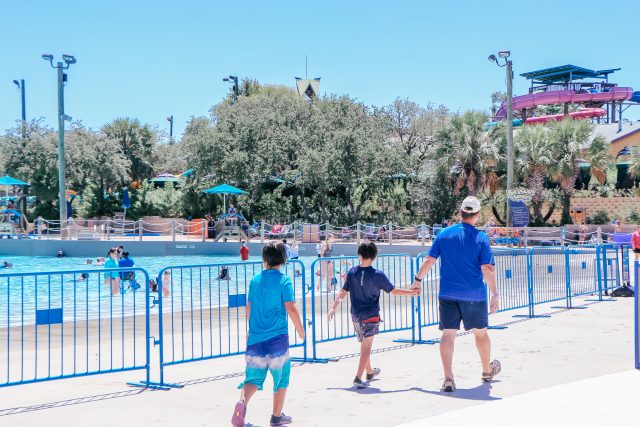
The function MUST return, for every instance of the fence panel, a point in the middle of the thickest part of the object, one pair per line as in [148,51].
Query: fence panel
[583,269]
[57,325]
[610,269]
[327,276]
[511,267]
[548,274]
[428,306]
[202,314]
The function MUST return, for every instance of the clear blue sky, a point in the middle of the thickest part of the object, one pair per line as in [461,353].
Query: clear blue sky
[151,59]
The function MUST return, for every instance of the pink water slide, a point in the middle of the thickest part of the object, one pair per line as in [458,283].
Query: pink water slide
[532,100]
[583,113]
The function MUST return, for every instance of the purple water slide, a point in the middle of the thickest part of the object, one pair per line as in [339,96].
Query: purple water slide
[532,100]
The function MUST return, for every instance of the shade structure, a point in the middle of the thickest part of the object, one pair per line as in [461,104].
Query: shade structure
[165,177]
[8,180]
[225,189]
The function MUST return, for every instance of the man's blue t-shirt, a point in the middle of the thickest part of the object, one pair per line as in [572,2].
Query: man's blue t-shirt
[364,285]
[268,291]
[462,250]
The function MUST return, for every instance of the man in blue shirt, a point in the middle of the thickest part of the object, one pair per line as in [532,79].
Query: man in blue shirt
[465,266]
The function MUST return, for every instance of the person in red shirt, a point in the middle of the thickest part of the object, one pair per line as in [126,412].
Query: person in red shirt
[635,242]
[244,251]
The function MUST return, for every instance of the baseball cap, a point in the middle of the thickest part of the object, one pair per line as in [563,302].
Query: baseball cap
[470,205]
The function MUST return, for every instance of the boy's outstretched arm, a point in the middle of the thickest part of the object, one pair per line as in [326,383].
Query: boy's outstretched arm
[292,311]
[407,292]
[341,295]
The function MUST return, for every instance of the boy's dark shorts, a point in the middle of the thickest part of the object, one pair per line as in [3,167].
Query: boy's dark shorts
[365,329]
[474,314]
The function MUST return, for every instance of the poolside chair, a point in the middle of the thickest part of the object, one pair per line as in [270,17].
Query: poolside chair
[371,232]
[346,233]
[275,231]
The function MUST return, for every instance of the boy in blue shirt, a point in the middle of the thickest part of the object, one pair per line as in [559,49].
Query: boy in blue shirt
[270,300]
[364,284]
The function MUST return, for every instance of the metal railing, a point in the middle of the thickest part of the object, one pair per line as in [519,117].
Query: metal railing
[65,324]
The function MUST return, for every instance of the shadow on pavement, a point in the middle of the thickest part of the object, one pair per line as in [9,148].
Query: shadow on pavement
[481,392]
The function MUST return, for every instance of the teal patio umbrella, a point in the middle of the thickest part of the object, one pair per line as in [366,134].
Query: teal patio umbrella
[10,181]
[225,189]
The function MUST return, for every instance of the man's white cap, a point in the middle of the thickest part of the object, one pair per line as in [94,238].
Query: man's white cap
[470,205]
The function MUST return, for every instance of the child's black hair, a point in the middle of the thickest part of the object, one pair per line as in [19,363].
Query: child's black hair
[368,250]
[274,254]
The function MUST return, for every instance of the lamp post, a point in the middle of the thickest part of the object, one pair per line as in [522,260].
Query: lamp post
[234,81]
[20,85]
[67,60]
[504,54]
[170,120]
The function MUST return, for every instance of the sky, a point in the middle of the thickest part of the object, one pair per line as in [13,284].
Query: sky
[152,59]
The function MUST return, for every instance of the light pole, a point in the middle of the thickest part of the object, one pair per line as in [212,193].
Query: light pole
[20,85]
[504,54]
[62,79]
[234,81]
[170,120]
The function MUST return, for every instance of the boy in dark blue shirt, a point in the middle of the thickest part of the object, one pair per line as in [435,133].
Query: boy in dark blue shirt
[364,284]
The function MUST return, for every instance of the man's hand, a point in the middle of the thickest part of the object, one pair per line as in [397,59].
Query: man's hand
[416,287]
[494,305]
[330,315]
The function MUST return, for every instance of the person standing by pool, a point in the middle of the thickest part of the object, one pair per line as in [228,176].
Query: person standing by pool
[112,278]
[270,302]
[327,268]
[635,242]
[465,260]
[244,251]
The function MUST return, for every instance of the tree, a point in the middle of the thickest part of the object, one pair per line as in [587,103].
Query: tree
[33,158]
[412,127]
[497,98]
[535,159]
[570,140]
[468,150]
[136,143]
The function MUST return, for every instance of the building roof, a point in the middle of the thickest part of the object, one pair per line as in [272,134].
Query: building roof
[611,133]
[565,73]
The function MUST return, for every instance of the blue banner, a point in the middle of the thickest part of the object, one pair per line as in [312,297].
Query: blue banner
[519,213]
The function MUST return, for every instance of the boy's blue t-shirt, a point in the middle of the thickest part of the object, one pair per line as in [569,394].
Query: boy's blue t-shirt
[364,285]
[268,291]
[462,250]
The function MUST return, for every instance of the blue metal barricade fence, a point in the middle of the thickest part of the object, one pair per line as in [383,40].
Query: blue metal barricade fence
[56,325]
[202,312]
[327,277]
[610,267]
[427,306]
[548,274]
[583,269]
[512,278]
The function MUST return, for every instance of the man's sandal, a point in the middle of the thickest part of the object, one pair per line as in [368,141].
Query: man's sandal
[495,370]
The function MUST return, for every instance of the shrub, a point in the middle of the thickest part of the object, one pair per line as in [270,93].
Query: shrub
[600,217]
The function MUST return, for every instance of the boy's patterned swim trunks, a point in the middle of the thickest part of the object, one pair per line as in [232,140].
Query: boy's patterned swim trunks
[366,328]
[271,355]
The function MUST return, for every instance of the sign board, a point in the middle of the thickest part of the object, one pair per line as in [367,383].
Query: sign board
[519,213]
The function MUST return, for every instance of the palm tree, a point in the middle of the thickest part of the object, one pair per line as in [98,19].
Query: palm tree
[534,161]
[570,141]
[466,147]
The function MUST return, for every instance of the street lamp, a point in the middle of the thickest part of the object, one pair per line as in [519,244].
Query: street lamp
[234,81]
[62,79]
[170,120]
[20,85]
[504,54]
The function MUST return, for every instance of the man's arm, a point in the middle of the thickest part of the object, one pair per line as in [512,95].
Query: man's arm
[292,311]
[489,274]
[341,295]
[422,273]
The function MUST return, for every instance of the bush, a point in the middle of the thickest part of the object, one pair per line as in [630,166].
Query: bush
[600,217]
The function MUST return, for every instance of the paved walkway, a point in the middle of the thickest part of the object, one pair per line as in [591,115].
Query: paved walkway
[609,400]
[542,359]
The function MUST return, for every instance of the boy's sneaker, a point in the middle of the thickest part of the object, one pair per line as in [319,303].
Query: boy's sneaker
[449,386]
[281,420]
[238,414]
[495,370]
[358,383]
[376,372]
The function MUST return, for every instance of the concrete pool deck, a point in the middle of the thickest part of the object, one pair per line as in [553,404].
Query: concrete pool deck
[571,367]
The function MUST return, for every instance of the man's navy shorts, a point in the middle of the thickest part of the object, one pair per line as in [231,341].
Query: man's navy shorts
[474,314]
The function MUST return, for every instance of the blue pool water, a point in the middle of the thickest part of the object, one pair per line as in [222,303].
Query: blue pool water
[77,291]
